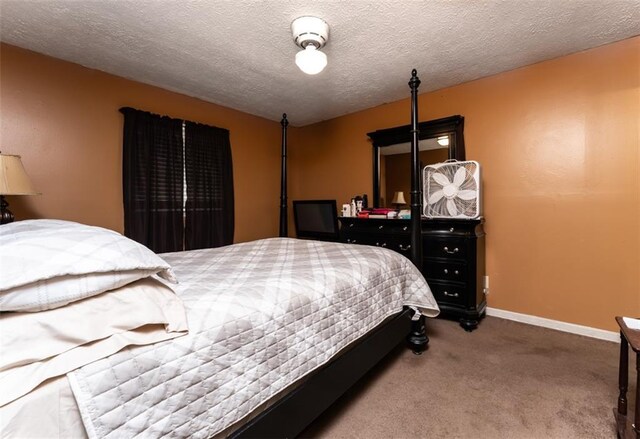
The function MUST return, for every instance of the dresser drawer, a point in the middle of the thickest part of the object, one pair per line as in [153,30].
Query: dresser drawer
[376,225]
[445,248]
[396,243]
[399,227]
[452,227]
[358,237]
[386,227]
[359,226]
[448,293]
[445,270]
[400,245]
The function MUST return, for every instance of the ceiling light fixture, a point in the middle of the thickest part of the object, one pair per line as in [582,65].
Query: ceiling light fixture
[311,34]
[443,140]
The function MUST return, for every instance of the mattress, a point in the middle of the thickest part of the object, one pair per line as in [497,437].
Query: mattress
[262,315]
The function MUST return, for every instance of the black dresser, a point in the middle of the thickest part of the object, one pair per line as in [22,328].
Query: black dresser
[453,262]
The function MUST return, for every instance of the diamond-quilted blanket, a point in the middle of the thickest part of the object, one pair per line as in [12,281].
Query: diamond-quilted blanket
[262,315]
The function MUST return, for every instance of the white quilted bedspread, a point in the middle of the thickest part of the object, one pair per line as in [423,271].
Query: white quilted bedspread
[261,315]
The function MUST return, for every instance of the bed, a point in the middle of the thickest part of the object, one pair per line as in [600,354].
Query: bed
[277,330]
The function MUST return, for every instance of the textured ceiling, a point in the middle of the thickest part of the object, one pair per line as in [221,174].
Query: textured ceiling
[241,53]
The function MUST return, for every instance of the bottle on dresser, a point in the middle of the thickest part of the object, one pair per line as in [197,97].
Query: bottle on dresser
[358,199]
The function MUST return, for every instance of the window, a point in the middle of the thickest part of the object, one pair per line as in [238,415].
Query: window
[177,183]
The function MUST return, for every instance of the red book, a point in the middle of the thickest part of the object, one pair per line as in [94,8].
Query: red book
[381,210]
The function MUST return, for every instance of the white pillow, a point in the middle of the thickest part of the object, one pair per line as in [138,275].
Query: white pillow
[39,346]
[45,264]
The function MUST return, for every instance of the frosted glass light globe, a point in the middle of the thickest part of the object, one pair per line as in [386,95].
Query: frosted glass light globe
[310,60]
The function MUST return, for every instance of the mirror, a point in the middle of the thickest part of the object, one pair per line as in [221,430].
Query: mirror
[439,140]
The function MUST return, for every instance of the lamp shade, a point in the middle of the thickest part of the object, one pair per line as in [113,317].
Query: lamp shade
[13,178]
[311,60]
[398,198]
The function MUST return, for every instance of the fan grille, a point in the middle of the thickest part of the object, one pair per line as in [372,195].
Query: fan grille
[452,190]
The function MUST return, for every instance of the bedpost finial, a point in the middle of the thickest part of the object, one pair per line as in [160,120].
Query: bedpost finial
[414,82]
[284,122]
[284,115]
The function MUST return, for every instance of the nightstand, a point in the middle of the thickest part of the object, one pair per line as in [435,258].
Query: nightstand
[454,267]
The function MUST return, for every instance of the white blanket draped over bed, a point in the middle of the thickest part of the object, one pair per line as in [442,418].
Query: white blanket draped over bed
[261,315]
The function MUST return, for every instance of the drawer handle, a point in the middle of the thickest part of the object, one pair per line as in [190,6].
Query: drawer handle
[351,225]
[404,229]
[380,227]
[451,252]
[403,248]
[351,241]
[446,293]
[384,244]
[446,271]
[452,230]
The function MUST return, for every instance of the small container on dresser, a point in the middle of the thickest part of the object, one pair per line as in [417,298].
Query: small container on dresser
[453,258]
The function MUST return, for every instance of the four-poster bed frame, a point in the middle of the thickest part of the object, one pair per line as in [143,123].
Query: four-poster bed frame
[284,229]
[298,408]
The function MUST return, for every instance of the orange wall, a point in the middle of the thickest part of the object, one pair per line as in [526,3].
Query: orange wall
[559,145]
[63,120]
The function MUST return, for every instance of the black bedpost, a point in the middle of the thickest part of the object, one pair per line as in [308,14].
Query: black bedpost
[416,183]
[375,202]
[284,229]
[417,339]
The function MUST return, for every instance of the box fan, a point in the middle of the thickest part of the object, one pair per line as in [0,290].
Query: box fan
[452,190]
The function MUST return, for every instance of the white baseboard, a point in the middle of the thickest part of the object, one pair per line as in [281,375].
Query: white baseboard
[587,331]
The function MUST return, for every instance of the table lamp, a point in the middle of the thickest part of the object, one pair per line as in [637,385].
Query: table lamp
[398,199]
[13,181]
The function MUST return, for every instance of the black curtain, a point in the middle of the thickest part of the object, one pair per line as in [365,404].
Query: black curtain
[153,180]
[209,170]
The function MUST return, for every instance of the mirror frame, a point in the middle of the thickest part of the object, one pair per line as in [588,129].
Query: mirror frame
[432,128]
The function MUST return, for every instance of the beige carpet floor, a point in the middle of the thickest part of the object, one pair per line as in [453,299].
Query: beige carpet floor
[504,380]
